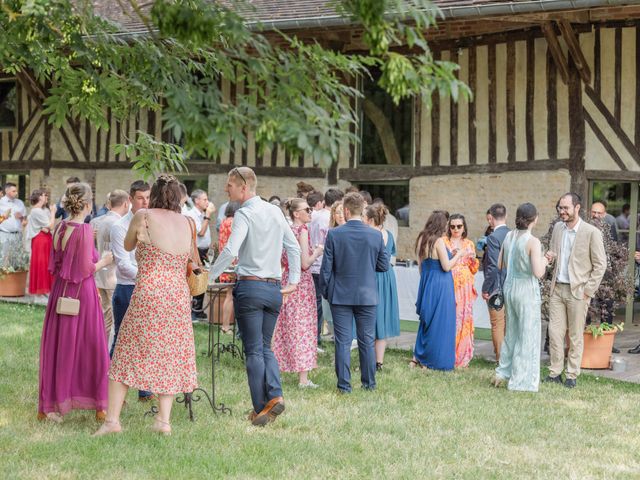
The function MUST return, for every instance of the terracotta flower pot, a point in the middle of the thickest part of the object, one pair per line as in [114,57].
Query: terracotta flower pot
[13,284]
[597,350]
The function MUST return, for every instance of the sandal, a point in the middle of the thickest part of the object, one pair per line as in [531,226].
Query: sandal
[163,429]
[54,417]
[379,366]
[413,363]
[101,416]
[107,428]
[498,382]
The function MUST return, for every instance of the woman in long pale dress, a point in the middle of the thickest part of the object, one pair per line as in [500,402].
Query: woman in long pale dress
[38,241]
[155,349]
[463,278]
[436,304]
[73,354]
[521,255]
[295,338]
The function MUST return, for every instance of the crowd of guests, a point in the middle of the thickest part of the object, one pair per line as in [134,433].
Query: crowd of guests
[294,264]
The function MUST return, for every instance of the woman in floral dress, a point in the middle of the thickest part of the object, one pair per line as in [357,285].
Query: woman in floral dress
[155,349]
[463,277]
[295,339]
[223,238]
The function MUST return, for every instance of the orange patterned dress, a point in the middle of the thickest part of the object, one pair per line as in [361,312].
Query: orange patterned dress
[155,349]
[463,277]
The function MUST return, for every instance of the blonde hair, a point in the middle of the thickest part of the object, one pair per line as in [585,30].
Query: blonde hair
[245,175]
[334,209]
[76,198]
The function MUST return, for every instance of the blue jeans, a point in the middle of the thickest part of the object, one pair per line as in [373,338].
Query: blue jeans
[120,304]
[256,306]
[365,319]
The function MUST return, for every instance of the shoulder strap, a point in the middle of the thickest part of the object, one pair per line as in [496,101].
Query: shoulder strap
[146,225]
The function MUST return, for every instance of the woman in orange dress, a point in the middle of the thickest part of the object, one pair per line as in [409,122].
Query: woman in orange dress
[463,277]
[223,238]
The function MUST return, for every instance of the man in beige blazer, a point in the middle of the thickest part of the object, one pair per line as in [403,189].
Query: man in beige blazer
[580,265]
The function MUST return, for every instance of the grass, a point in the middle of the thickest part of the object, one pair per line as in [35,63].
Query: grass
[417,424]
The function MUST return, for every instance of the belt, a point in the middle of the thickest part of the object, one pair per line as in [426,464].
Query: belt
[253,278]
[10,233]
[562,283]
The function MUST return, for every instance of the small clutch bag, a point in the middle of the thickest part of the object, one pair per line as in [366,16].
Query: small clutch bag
[67,305]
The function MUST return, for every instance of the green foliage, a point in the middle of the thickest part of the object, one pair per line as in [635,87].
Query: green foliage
[599,329]
[296,94]
[150,158]
[14,257]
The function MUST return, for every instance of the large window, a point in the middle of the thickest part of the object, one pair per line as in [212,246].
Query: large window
[8,103]
[395,196]
[387,128]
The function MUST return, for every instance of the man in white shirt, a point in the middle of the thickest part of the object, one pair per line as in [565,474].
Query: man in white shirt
[318,229]
[126,265]
[201,215]
[259,234]
[13,211]
[118,206]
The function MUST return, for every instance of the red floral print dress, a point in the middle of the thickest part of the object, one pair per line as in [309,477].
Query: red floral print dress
[295,339]
[155,349]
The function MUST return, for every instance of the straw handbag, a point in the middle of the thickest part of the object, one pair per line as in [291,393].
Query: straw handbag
[197,276]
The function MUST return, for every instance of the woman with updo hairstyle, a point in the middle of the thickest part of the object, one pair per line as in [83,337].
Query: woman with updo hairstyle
[38,241]
[463,284]
[73,353]
[436,305]
[155,349]
[387,311]
[295,338]
[521,255]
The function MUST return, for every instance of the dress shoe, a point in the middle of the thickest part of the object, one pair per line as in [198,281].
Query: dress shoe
[570,383]
[615,350]
[635,349]
[550,379]
[271,410]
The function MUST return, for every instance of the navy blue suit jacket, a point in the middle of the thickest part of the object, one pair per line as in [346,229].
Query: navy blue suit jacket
[491,282]
[353,253]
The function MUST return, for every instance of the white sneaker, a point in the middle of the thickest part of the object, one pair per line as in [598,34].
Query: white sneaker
[354,344]
[309,384]
[320,350]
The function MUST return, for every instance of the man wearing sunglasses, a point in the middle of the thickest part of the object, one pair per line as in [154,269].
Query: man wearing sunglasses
[259,234]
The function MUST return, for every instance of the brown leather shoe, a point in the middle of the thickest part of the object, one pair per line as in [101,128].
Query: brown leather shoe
[271,410]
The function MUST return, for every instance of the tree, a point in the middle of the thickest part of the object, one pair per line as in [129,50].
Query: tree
[297,94]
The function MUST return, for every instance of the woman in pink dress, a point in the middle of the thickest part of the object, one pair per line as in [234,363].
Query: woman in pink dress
[73,353]
[155,350]
[295,339]
[463,278]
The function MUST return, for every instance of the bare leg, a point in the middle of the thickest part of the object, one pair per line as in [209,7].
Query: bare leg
[227,310]
[380,347]
[303,377]
[117,394]
[161,423]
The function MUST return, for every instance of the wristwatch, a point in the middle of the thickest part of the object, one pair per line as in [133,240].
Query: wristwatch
[206,218]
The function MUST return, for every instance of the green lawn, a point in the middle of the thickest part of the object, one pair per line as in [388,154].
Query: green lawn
[416,425]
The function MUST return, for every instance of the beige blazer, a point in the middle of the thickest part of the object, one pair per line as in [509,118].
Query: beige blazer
[588,260]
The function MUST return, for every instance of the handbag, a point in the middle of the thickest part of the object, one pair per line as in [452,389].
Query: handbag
[197,275]
[68,305]
[496,301]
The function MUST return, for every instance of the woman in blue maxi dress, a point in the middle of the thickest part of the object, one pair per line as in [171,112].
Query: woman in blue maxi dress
[436,304]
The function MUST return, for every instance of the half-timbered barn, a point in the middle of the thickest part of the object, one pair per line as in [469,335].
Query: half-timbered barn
[556,87]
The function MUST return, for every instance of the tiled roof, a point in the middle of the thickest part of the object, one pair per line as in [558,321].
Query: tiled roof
[309,13]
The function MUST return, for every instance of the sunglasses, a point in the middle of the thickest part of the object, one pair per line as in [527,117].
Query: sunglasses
[235,171]
[308,210]
[456,227]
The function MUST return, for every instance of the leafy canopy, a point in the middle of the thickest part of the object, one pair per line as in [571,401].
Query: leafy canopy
[297,93]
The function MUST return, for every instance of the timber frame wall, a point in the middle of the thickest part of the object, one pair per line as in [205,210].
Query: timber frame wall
[542,102]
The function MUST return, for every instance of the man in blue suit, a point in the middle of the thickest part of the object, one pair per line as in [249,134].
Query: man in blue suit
[353,253]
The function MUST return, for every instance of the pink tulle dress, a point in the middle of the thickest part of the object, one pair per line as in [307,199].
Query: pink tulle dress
[73,353]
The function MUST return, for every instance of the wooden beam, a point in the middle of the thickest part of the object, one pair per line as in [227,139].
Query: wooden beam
[575,51]
[552,108]
[577,142]
[603,140]
[612,175]
[556,52]
[383,173]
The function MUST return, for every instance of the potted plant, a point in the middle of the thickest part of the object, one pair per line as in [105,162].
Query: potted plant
[14,266]
[598,342]
[616,286]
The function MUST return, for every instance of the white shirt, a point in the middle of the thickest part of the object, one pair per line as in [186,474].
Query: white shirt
[259,233]
[126,265]
[105,277]
[11,224]
[318,229]
[203,242]
[568,238]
